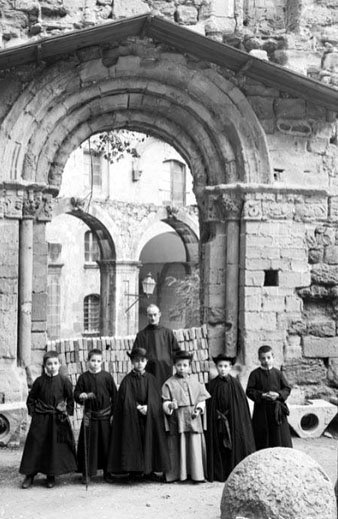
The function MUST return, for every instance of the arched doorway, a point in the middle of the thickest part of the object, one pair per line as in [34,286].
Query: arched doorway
[97,257]
[197,110]
[170,255]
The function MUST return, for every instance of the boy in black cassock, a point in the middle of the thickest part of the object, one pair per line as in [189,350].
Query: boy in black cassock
[138,445]
[96,390]
[268,388]
[50,445]
[229,432]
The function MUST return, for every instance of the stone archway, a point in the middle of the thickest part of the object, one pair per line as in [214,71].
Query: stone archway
[142,86]
[184,222]
[101,225]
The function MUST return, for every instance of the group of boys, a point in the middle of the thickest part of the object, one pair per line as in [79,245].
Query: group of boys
[171,431]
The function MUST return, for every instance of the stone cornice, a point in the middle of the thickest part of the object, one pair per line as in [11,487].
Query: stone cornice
[227,202]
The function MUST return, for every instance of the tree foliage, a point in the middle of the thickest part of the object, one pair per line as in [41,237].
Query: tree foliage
[187,301]
[114,145]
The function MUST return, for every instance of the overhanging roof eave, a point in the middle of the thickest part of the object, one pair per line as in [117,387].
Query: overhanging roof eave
[236,60]
[184,40]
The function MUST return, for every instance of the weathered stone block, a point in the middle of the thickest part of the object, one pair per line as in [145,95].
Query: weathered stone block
[302,371]
[297,327]
[293,304]
[123,9]
[290,108]
[276,483]
[294,279]
[273,303]
[262,106]
[332,372]
[252,303]
[253,278]
[12,416]
[316,255]
[331,255]
[261,321]
[187,14]
[320,347]
[311,419]
[293,349]
[314,292]
[322,329]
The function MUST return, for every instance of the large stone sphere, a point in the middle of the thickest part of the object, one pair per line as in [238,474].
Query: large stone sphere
[278,483]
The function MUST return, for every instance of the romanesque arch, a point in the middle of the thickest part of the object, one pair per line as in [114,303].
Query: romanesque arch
[144,86]
[102,225]
[204,116]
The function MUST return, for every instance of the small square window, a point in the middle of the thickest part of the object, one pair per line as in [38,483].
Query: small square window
[271,278]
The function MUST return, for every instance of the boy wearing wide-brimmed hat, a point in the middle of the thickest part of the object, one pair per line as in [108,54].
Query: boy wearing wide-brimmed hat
[229,433]
[138,445]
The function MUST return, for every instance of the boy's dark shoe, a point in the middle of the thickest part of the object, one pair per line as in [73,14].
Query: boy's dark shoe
[156,476]
[50,481]
[27,482]
[108,477]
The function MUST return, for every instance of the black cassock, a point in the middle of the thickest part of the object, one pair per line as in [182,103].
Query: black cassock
[269,420]
[229,434]
[161,345]
[98,411]
[138,442]
[50,445]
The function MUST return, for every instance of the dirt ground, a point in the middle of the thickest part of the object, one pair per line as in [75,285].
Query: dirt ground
[141,500]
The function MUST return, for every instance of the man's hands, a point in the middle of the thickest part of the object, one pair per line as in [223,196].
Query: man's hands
[87,396]
[270,395]
[142,409]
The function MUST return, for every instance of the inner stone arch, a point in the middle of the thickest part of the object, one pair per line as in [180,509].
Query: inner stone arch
[97,223]
[204,108]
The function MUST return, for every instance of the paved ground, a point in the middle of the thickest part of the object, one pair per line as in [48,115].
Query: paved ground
[146,500]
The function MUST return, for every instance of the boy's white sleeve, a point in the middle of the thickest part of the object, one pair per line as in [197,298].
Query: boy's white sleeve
[166,409]
[201,406]
[166,396]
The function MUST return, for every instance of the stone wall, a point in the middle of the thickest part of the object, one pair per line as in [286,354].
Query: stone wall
[289,288]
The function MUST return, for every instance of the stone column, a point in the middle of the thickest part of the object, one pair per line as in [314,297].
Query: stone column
[25,289]
[127,274]
[36,211]
[108,315]
[222,212]
[231,207]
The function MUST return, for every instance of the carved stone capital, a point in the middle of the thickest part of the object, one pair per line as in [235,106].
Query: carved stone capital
[30,205]
[221,207]
[17,202]
[37,205]
[12,203]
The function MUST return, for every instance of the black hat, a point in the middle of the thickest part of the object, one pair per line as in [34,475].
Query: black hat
[138,353]
[222,356]
[183,354]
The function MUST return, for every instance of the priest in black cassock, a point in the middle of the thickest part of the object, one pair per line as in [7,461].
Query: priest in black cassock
[160,344]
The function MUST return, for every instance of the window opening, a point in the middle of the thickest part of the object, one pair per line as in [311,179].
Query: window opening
[91,247]
[271,278]
[91,310]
